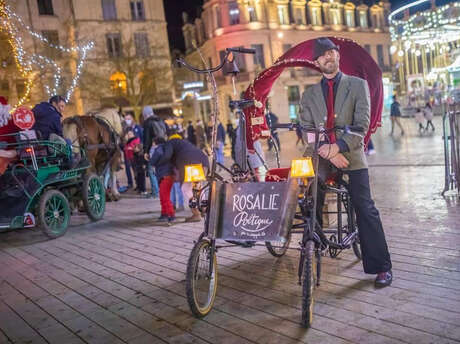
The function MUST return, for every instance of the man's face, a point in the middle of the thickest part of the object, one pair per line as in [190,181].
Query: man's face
[60,106]
[328,63]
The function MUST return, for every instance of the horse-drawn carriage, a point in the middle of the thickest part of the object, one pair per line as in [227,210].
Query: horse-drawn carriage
[40,185]
[244,211]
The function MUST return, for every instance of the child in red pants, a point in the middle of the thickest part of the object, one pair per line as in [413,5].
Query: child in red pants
[164,171]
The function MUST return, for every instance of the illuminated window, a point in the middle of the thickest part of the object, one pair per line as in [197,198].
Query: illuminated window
[335,18]
[283,15]
[234,13]
[252,13]
[315,15]
[350,18]
[118,82]
[363,19]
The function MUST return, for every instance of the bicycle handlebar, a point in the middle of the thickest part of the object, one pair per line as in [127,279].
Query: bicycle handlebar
[242,50]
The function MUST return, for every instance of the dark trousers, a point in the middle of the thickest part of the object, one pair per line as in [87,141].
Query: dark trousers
[138,165]
[376,257]
[129,175]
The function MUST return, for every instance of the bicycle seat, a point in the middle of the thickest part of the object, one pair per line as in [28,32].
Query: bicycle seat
[277,174]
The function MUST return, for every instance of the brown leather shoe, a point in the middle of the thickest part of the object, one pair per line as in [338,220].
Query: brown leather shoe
[383,279]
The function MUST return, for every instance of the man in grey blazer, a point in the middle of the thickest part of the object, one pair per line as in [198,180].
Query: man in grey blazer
[340,100]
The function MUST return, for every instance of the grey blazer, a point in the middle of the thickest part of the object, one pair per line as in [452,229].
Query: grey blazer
[352,107]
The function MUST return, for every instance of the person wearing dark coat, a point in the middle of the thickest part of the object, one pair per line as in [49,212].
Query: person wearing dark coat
[154,127]
[181,153]
[191,137]
[48,117]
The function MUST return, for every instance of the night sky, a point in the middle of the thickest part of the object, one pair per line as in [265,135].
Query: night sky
[174,9]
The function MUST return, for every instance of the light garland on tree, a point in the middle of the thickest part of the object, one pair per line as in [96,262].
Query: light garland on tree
[26,62]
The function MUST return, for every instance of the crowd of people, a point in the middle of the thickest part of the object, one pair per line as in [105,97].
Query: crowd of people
[160,149]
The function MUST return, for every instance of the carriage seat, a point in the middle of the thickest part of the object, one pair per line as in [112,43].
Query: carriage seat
[277,174]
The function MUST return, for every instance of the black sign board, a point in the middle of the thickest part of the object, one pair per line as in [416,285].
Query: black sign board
[254,211]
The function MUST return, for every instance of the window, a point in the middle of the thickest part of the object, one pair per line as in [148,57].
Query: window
[113,45]
[299,18]
[45,7]
[363,19]
[283,15]
[335,18]
[349,18]
[316,16]
[259,59]
[141,41]
[380,57]
[109,11]
[137,10]
[234,13]
[367,47]
[118,82]
[252,13]
[53,38]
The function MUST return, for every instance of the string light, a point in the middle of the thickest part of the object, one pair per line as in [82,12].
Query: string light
[28,63]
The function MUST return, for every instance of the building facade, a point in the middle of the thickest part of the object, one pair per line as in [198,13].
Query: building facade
[271,27]
[129,64]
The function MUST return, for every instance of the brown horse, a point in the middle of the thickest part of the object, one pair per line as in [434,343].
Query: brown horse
[95,135]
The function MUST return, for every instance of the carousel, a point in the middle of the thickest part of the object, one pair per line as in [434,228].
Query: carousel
[425,51]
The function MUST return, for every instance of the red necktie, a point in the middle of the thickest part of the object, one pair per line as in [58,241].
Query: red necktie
[330,111]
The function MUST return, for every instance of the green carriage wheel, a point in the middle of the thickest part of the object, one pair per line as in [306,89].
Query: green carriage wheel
[93,193]
[53,213]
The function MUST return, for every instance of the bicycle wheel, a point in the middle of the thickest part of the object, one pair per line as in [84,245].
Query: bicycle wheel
[201,280]
[278,248]
[308,284]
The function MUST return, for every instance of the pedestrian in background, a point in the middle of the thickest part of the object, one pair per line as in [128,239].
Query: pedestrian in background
[131,125]
[191,136]
[133,153]
[154,127]
[220,143]
[428,113]
[395,115]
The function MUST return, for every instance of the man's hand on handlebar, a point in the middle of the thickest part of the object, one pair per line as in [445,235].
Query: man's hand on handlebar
[339,161]
[327,151]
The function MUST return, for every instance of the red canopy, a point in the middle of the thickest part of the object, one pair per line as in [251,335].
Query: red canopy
[354,60]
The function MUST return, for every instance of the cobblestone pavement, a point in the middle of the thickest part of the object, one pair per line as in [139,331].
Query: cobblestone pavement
[121,280]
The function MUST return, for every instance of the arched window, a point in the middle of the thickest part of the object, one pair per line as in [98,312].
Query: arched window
[362,18]
[283,15]
[252,11]
[118,82]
